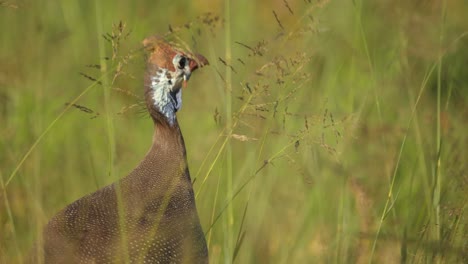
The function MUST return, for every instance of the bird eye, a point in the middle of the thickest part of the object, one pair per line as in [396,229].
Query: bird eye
[182,62]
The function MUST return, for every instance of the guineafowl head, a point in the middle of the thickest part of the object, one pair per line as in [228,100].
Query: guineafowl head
[168,70]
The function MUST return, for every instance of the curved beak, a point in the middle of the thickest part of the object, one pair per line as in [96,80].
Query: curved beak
[197,61]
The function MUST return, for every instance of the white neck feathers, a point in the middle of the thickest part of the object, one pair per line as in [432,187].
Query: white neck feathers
[166,99]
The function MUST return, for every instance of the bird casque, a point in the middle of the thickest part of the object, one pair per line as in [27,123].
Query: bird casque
[150,215]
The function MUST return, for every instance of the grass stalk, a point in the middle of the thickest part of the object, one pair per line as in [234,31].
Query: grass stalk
[209,233]
[438,163]
[10,217]
[50,126]
[228,242]
[390,200]
[392,79]
[107,85]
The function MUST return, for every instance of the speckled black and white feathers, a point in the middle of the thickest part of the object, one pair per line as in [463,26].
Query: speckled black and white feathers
[159,222]
[150,215]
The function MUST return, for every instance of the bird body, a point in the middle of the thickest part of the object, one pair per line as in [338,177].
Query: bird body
[150,215]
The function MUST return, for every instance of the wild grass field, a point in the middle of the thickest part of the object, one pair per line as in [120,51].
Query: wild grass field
[321,132]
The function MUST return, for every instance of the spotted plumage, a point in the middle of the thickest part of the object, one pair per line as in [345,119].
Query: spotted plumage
[150,215]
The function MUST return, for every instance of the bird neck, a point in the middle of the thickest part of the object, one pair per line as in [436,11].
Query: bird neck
[164,164]
[167,138]
[166,158]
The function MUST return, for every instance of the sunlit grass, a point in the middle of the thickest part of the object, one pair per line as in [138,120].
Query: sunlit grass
[321,132]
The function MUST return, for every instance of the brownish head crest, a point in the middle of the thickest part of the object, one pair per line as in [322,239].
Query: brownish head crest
[161,54]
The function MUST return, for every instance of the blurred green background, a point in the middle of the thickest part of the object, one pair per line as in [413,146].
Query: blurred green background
[321,132]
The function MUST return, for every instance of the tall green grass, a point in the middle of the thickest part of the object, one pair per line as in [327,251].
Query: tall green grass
[321,132]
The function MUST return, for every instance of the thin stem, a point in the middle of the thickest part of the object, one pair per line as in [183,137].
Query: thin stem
[228,242]
[390,199]
[50,126]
